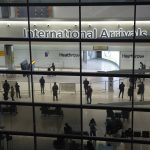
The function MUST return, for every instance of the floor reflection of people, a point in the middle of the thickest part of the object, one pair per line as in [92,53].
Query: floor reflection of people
[92,125]
[89,95]
[130,92]
[12,93]
[121,88]
[6,88]
[90,145]
[141,91]
[85,83]
[67,129]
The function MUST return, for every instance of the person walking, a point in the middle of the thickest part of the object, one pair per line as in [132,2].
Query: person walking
[55,91]
[12,93]
[141,90]
[6,88]
[85,83]
[130,92]
[121,88]
[89,95]
[92,125]
[42,84]
[17,88]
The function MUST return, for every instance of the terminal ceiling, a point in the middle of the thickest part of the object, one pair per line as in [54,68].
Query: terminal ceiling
[95,13]
[102,13]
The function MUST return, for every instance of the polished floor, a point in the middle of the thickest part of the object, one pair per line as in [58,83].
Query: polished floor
[23,120]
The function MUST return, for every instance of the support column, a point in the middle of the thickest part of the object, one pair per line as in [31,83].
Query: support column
[85,56]
[110,84]
[9,57]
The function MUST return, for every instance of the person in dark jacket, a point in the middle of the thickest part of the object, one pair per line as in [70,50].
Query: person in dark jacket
[141,90]
[6,88]
[42,84]
[55,91]
[53,67]
[121,88]
[17,88]
[89,95]
[92,125]
[86,84]
[130,92]
[132,81]
[67,129]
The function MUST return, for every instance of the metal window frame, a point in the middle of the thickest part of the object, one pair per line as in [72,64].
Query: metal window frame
[80,74]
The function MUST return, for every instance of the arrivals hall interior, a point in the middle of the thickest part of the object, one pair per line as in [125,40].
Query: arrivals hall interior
[74,74]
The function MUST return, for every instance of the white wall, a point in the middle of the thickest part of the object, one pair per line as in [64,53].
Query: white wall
[62,59]
[113,56]
[126,59]
[21,52]
[55,54]
[142,54]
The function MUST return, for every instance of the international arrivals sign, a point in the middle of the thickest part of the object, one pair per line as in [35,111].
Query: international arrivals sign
[85,34]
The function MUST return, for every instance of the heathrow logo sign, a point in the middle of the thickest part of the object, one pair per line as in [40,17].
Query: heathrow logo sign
[85,34]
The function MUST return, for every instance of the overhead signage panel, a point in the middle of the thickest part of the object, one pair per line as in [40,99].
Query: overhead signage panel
[100,47]
[70,29]
[85,34]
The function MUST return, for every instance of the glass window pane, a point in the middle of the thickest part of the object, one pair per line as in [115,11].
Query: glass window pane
[15,87]
[9,26]
[102,24]
[11,118]
[116,58]
[57,143]
[57,89]
[141,128]
[23,142]
[54,1]
[16,142]
[107,1]
[142,21]
[54,22]
[142,68]
[106,90]
[56,56]
[54,119]
[107,123]
[106,145]
[14,56]
[13,1]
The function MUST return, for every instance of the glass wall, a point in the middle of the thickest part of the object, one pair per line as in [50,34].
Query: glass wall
[74,75]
